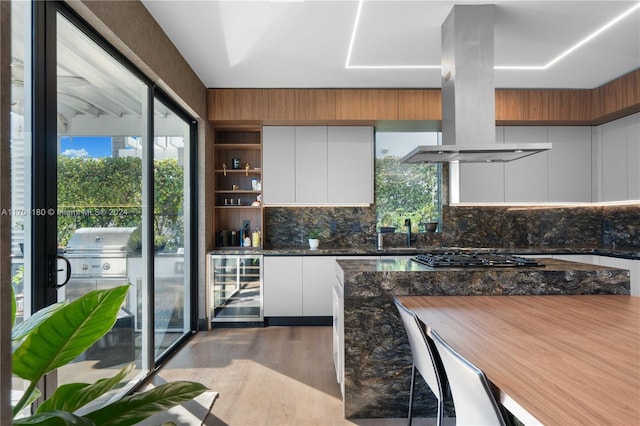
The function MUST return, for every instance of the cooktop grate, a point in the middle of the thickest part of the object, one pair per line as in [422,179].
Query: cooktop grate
[473,260]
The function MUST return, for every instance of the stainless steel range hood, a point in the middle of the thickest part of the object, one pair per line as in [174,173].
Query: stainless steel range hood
[468,95]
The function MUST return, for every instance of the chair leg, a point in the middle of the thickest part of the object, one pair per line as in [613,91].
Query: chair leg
[413,381]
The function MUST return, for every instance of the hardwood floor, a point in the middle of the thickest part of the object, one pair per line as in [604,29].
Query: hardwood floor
[267,376]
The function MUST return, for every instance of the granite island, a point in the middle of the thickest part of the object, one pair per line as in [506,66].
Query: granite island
[373,355]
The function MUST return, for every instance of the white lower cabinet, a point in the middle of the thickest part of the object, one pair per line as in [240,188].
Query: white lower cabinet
[282,286]
[298,286]
[318,276]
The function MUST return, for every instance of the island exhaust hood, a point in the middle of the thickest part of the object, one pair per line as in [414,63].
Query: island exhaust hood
[468,95]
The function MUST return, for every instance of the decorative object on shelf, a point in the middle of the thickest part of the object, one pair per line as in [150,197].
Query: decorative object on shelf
[235,163]
[258,201]
[255,184]
[234,187]
[224,169]
[246,169]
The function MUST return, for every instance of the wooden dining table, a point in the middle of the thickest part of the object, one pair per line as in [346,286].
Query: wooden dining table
[553,360]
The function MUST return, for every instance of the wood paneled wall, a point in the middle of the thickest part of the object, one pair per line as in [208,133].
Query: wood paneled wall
[513,106]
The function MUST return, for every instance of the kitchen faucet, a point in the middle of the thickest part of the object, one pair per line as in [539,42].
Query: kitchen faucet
[407,223]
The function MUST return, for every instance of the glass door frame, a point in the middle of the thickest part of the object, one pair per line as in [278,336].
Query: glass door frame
[43,239]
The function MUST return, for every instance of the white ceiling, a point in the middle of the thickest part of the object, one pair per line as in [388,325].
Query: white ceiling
[298,44]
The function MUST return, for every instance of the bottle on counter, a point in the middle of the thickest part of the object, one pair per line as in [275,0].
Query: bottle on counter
[255,238]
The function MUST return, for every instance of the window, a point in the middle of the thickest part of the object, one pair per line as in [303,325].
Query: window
[405,191]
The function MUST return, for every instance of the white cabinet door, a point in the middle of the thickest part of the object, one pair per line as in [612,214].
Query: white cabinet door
[311,164]
[526,178]
[633,157]
[570,164]
[318,277]
[278,165]
[282,286]
[614,161]
[350,167]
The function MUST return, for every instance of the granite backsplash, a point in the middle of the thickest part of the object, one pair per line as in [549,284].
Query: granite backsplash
[615,227]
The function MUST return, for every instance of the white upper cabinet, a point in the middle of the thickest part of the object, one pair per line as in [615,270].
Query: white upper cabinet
[633,159]
[318,165]
[526,179]
[278,165]
[619,149]
[482,182]
[311,164]
[350,167]
[569,168]
[563,174]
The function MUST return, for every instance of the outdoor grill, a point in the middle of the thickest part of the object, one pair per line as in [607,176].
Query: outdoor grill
[98,259]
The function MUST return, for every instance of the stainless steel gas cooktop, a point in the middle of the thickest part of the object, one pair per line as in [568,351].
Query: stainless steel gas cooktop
[473,260]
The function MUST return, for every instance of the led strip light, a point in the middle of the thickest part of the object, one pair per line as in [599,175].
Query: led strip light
[497,67]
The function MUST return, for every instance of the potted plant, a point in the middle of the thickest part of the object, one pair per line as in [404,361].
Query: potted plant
[56,335]
[314,239]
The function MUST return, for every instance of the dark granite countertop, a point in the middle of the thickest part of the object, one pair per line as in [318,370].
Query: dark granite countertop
[407,265]
[377,365]
[408,251]
[368,278]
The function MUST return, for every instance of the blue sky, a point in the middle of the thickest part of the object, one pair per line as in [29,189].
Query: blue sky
[86,146]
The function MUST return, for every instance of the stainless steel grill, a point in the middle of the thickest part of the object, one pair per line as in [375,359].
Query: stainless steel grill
[98,259]
[100,252]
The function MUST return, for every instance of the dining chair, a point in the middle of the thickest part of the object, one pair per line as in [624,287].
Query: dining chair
[472,397]
[425,360]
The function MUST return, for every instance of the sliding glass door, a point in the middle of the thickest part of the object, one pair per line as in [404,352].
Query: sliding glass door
[107,156]
[171,200]
[102,122]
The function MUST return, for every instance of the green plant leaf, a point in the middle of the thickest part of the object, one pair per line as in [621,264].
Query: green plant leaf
[13,307]
[68,332]
[35,394]
[72,396]
[54,418]
[137,407]
[21,330]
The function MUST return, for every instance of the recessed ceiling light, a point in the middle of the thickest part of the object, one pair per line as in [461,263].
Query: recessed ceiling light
[497,67]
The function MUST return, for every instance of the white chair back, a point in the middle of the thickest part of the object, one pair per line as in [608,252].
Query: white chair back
[472,397]
[425,358]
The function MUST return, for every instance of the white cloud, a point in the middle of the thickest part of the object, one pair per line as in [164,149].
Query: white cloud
[76,153]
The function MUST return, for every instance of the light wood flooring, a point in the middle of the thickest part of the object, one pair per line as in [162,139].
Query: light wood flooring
[267,376]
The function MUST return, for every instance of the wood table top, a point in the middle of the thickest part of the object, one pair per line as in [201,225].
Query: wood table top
[555,360]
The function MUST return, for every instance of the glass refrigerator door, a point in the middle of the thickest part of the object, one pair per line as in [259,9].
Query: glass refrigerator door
[236,288]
